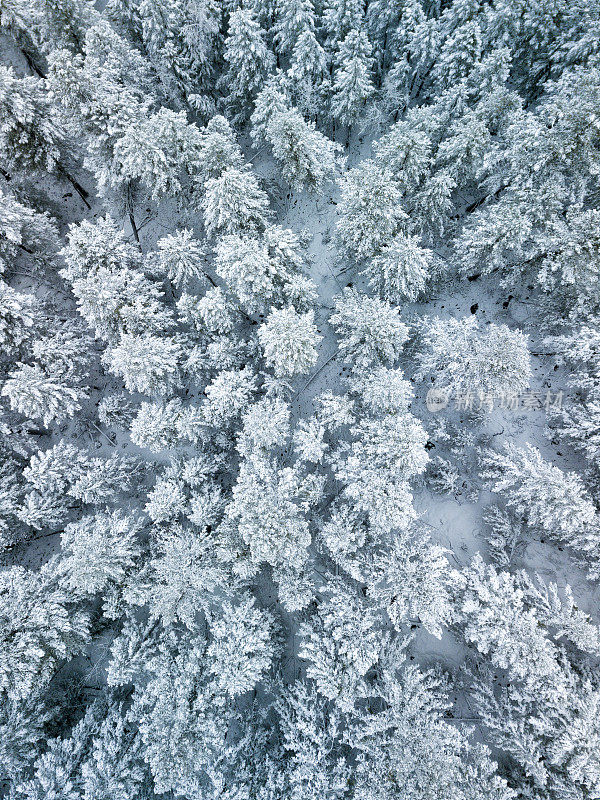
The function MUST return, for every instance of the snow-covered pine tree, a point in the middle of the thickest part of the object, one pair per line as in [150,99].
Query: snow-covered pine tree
[401,270]
[101,95]
[38,394]
[312,735]
[21,318]
[249,59]
[406,150]
[99,551]
[234,202]
[38,630]
[62,23]
[267,519]
[370,210]
[244,264]
[340,643]
[26,234]
[292,20]
[180,39]
[179,258]
[30,138]
[410,743]
[547,497]
[157,152]
[157,425]
[307,74]
[352,81]
[272,99]
[412,579]
[227,396]
[370,331]
[182,578]
[241,648]
[113,295]
[460,359]
[340,18]
[148,364]
[115,762]
[219,150]
[289,342]
[307,158]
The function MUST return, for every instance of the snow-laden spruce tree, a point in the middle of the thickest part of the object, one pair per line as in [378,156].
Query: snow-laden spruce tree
[22,724]
[539,162]
[411,47]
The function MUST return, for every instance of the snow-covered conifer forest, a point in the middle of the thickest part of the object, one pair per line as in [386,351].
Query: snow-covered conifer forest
[300,399]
